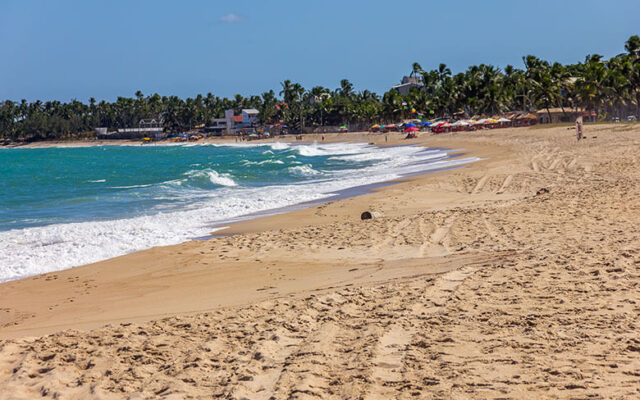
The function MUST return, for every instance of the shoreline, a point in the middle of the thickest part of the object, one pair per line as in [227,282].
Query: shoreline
[337,195]
[242,226]
[452,159]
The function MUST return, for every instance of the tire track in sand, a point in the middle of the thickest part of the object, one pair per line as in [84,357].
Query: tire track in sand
[435,246]
[388,373]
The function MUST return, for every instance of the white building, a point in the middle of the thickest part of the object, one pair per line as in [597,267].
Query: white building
[230,123]
[250,116]
[146,128]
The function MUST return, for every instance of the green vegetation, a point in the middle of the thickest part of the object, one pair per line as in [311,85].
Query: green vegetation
[611,88]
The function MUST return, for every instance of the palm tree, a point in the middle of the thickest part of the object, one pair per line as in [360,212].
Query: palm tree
[268,107]
[346,88]
[443,72]
[633,46]
[545,86]
[590,88]
[416,70]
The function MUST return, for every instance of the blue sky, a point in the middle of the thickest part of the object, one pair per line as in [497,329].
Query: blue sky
[68,49]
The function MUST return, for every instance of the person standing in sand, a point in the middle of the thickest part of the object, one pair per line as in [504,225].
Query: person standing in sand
[579,127]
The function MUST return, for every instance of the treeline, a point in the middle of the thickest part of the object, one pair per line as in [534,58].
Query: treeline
[608,87]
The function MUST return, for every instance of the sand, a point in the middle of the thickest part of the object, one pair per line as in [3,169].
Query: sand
[515,277]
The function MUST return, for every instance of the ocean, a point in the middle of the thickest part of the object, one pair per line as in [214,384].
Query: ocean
[68,206]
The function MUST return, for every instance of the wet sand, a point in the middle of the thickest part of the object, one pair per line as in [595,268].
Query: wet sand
[514,277]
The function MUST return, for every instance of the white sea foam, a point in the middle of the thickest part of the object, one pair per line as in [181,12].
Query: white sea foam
[215,177]
[133,186]
[310,151]
[49,248]
[399,153]
[43,249]
[247,162]
[98,181]
[279,146]
[303,170]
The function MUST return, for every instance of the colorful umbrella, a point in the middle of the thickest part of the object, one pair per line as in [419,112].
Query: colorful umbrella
[375,126]
[412,129]
[410,125]
[441,124]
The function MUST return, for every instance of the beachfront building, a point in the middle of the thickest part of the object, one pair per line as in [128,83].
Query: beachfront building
[250,116]
[558,115]
[231,124]
[151,128]
[408,82]
[521,118]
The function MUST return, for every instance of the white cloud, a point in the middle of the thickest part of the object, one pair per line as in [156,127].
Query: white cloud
[231,18]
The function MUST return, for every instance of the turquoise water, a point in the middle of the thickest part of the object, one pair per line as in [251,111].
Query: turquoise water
[61,207]
[61,185]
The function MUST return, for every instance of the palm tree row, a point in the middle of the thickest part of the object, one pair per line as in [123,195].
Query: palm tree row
[607,87]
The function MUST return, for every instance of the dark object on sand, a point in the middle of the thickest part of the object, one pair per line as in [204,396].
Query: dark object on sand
[369,215]
[542,191]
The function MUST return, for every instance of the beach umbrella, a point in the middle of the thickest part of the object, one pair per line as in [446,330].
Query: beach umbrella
[375,126]
[503,119]
[427,123]
[410,125]
[412,129]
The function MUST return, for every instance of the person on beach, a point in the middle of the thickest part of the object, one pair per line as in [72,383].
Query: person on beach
[579,127]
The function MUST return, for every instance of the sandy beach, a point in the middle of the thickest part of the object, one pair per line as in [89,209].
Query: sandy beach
[517,276]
